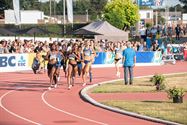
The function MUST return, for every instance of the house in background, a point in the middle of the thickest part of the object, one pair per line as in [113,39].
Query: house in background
[184,18]
[146,16]
[38,17]
[26,16]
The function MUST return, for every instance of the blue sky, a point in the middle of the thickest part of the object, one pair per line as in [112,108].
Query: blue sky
[171,2]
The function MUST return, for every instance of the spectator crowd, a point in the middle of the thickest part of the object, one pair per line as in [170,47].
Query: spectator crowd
[153,33]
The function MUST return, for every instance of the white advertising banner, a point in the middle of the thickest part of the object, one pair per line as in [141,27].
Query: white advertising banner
[70,10]
[13,62]
[17,16]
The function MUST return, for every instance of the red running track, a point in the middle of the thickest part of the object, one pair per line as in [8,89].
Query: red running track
[130,96]
[24,99]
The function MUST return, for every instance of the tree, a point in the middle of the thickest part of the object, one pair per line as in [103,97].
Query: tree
[97,7]
[59,7]
[24,4]
[121,13]
[45,8]
[80,6]
[56,8]
[29,4]
[185,5]
[6,4]
[183,1]
[178,7]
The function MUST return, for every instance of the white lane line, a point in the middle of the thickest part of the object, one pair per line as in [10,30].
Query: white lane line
[12,113]
[68,113]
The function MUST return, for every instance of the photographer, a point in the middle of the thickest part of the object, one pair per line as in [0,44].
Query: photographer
[36,65]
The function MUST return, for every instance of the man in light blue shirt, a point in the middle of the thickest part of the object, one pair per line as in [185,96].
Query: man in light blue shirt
[129,60]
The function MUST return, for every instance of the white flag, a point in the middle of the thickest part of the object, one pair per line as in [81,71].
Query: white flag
[16,11]
[70,10]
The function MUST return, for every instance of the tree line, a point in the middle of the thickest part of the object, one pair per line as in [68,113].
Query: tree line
[120,13]
[93,7]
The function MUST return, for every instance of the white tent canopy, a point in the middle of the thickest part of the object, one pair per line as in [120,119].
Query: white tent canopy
[103,30]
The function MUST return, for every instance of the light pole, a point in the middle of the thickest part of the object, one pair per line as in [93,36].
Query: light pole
[64,15]
[166,12]
[54,8]
[156,14]
[137,23]
[175,14]
[87,15]
[50,8]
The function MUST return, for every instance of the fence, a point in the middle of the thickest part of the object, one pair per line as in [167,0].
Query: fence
[21,62]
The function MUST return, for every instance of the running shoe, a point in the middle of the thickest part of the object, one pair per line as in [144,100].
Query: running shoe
[119,75]
[58,78]
[69,87]
[49,88]
[55,85]
[84,84]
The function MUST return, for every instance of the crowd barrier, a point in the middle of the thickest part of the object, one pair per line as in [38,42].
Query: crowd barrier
[185,54]
[149,57]
[16,62]
[141,57]
[20,62]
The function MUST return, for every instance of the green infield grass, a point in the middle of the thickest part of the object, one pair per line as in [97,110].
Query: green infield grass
[142,85]
[159,109]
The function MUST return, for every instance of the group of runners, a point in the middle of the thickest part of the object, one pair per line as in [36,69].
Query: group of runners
[75,58]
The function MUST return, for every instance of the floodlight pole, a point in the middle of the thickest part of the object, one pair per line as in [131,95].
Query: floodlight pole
[86,15]
[167,13]
[175,14]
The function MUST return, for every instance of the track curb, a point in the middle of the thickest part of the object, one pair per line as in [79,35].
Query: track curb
[86,97]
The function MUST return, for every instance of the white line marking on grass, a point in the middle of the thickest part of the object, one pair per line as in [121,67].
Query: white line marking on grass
[12,113]
[68,113]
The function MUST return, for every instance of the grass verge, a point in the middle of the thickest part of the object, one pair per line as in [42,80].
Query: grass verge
[158,109]
[141,85]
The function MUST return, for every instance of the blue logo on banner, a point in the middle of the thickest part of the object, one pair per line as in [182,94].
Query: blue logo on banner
[7,61]
[21,61]
[150,2]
